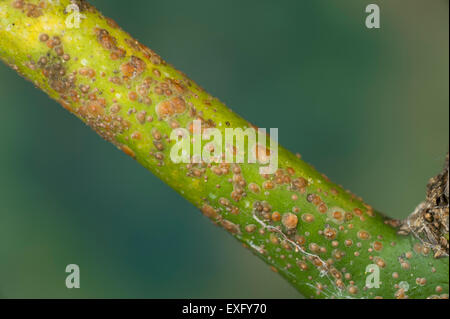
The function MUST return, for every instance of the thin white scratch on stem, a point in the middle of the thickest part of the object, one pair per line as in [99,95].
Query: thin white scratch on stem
[323,271]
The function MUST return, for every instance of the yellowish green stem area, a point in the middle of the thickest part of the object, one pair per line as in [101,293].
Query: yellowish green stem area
[318,236]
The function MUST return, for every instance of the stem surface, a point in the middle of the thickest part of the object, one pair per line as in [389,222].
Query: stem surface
[321,238]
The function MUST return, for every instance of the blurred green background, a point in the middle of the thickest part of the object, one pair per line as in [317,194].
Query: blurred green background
[369,108]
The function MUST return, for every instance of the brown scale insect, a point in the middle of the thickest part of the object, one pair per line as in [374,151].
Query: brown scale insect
[209,211]
[42,61]
[156,134]
[136,135]
[362,234]
[108,42]
[115,108]
[128,151]
[229,226]
[140,117]
[289,220]
[250,228]
[308,218]
[133,68]
[276,216]
[132,96]
[353,290]
[43,37]
[171,107]
[330,233]
[268,185]
[59,51]
[378,246]
[87,72]
[159,146]
[322,208]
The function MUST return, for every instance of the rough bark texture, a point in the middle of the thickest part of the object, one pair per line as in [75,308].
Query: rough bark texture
[315,234]
[429,222]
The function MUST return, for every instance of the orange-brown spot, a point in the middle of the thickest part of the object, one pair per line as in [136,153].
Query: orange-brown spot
[128,151]
[133,68]
[377,246]
[209,211]
[303,266]
[268,185]
[322,208]
[317,200]
[353,290]
[254,188]
[380,262]
[87,72]
[301,240]
[330,233]
[113,24]
[362,234]
[358,212]
[308,218]
[94,108]
[231,227]
[276,216]
[132,96]
[136,136]
[250,228]
[171,107]
[300,183]
[289,220]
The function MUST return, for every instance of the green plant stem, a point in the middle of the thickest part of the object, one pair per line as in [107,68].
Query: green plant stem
[315,234]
